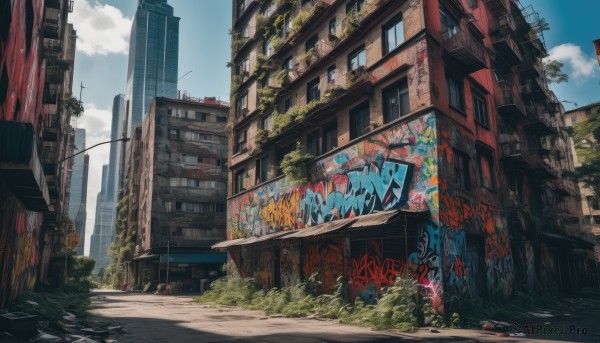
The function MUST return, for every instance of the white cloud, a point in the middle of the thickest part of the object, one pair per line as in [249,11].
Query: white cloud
[570,54]
[101,29]
[97,125]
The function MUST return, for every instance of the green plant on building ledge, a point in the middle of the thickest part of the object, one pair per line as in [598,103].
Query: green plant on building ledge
[295,165]
[280,79]
[266,98]
[310,56]
[73,106]
[261,136]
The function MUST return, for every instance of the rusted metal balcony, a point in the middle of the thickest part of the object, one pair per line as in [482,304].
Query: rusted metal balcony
[507,48]
[510,106]
[545,171]
[540,122]
[464,48]
[20,165]
[535,89]
[497,7]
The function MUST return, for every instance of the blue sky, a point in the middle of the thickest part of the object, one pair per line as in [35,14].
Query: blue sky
[103,28]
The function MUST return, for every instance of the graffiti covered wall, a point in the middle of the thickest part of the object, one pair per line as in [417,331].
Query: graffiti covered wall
[388,170]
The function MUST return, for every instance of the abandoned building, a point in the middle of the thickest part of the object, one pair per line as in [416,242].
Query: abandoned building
[589,206]
[37,49]
[178,172]
[435,146]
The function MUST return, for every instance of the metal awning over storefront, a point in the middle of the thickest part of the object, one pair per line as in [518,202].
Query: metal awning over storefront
[198,257]
[322,228]
[382,218]
[234,242]
[269,237]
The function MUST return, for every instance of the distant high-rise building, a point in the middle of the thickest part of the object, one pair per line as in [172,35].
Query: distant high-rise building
[118,113]
[104,232]
[153,56]
[78,187]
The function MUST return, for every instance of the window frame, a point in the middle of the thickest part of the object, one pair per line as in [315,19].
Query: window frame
[262,169]
[481,119]
[332,26]
[356,53]
[462,177]
[357,114]
[316,144]
[311,93]
[450,80]
[393,23]
[401,93]
[239,145]
[487,154]
[239,105]
[328,130]
[331,75]
[311,43]
[238,185]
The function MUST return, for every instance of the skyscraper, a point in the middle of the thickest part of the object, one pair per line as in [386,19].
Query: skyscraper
[118,113]
[78,187]
[104,232]
[153,57]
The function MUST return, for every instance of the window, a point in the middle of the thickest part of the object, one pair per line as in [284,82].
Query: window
[170,112]
[288,63]
[331,75]
[456,95]
[330,136]
[393,34]
[280,155]
[220,207]
[287,104]
[241,105]
[461,170]
[244,33]
[355,6]
[190,159]
[480,112]
[239,180]
[262,169]
[221,119]
[268,47]
[267,122]
[395,101]
[450,25]
[173,134]
[311,43]
[332,26]
[240,142]
[240,7]
[244,67]
[308,2]
[269,10]
[573,120]
[359,120]
[587,220]
[486,168]
[201,116]
[313,91]
[357,58]
[312,143]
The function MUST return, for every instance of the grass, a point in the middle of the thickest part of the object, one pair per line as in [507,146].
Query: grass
[399,306]
[52,305]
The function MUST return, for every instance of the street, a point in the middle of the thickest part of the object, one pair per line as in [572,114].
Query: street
[152,318]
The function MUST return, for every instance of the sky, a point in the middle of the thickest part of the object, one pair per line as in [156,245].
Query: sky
[103,28]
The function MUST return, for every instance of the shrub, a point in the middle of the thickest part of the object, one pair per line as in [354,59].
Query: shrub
[295,165]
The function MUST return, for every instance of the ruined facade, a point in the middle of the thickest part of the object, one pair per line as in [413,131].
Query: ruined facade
[436,142]
[589,206]
[181,167]
[36,55]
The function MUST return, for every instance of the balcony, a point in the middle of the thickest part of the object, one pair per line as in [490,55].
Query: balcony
[51,29]
[545,171]
[464,48]
[50,157]
[535,89]
[510,106]
[497,7]
[21,166]
[53,4]
[507,48]
[540,123]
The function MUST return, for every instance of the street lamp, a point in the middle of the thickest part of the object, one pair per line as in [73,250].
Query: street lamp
[93,146]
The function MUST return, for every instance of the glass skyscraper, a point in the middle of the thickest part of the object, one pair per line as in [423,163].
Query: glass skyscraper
[79,179]
[153,58]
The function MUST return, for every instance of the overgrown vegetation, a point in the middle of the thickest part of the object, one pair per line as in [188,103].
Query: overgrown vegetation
[52,305]
[122,248]
[398,307]
[73,106]
[553,72]
[295,165]
[260,136]
[301,18]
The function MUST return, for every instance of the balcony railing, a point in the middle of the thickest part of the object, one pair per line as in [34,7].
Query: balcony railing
[540,122]
[463,47]
[510,106]
[20,165]
[507,48]
[497,7]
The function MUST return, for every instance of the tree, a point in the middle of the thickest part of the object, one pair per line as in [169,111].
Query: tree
[554,73]
[73,106]
[587,144]
[122,248]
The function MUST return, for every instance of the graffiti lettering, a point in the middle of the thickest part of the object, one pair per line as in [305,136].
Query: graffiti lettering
[326,258]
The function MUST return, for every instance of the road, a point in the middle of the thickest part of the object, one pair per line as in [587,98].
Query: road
[153,318]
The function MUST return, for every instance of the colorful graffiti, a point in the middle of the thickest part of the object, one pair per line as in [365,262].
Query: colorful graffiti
[454,261]
[372,271]
[425,263]
[20,250]
[388,170]
[326,257]
[290,263]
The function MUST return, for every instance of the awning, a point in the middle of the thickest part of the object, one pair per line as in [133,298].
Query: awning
[322,228]
[268,237]
[145,256]
[199,257]
[577,242]
[374,219]
[233,242]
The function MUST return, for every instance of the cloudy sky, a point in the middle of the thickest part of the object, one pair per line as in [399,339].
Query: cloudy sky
[103,28]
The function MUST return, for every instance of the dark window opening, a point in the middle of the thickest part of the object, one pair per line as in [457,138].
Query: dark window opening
[240,142]
[330,136]
[239,180]
[360,117]
[396,101]
[29,17]
[456,93]
[486,168]
[357,58]
[311,43]
[262,169]
[313,90]
[3,84]
[480,112]
[5,21]
[312,143]
[331,75]
[332,26]
[461,170]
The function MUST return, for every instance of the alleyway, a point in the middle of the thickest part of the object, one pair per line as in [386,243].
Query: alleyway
[151,318]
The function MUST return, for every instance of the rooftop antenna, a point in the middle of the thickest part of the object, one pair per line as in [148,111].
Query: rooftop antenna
[184,75]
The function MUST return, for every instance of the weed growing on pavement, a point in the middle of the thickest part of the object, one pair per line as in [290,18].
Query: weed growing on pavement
[398,307]
[52,305]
